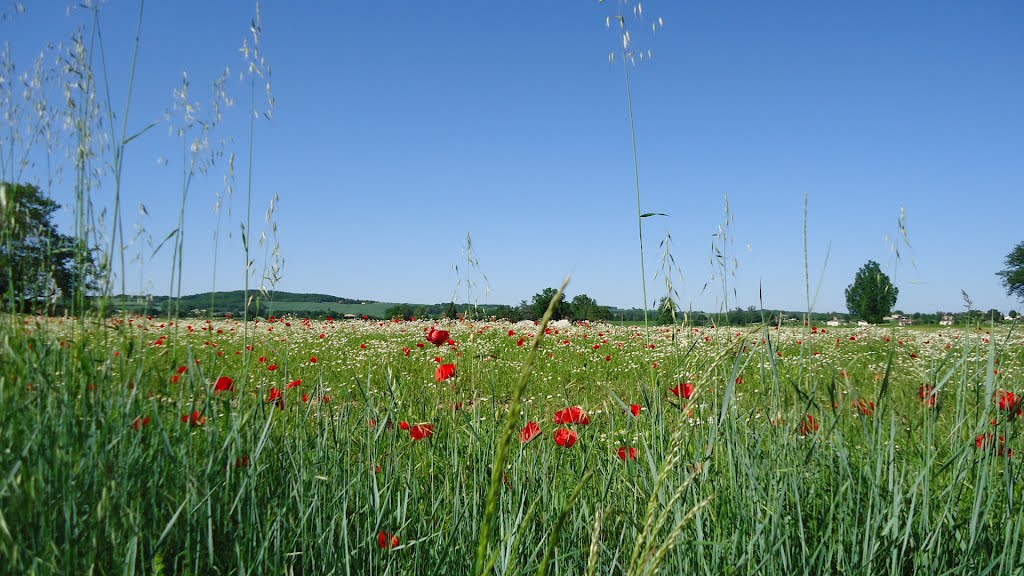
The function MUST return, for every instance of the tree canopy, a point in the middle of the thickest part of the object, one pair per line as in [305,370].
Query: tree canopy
[872,294]
[1013,274]
[37,263]
[540,305]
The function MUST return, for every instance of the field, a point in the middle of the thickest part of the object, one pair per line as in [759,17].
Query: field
[144,445]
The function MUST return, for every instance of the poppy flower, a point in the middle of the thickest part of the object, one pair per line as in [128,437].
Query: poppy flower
[572,415]
[194,419]
[175,379]
[406,350]
[421,431]
[627,453]
[403,425]
[808,425]
[928,395]
[684,390]
[444,372]
[437,337]
[989,442]
[272,367]
[242,462]
[275,396]
[224,384]
[182,369]
[262,359]
[294,384]
[529,432]
[1008,401]
[565,437]
[634,409]
[864,407]
[312,359]
[387,540]
[140,422]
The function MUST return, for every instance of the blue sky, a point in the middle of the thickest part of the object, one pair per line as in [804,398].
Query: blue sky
[401,127]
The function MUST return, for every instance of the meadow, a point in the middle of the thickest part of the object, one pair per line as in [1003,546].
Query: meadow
[292,446]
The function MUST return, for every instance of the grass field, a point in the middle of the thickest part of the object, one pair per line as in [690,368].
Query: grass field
[149,446]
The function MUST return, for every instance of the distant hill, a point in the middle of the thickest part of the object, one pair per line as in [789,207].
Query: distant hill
[234,302]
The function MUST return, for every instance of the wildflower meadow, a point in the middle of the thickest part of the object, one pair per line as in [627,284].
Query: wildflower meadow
[290,445]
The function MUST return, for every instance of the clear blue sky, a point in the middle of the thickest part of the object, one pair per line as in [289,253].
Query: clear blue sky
[400,127]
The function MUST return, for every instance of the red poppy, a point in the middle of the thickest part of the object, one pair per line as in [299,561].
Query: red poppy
[437,337]
[1008,401]
[272,367]
[372,423]
[406,350]
[634,409]
[989,442]
[140,422]
[242,462]
[928,395]
[627,453]
[421,431]
[294,384]
[864,407]
[387,540]
[403,425]
[684,390]
[572,415]
[224,384]
[194,419]
[444,372]
[809,425]
[312,359]
[263,359]
[175,379]
[182,369]
[529,432]
[565,437]
[520,342]
[275,396]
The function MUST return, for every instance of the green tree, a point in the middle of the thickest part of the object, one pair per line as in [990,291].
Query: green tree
[1013,274]
[540,305]
[872,294]
[399,311]
[584,307]
[450,311]
[37,262]
[668,312]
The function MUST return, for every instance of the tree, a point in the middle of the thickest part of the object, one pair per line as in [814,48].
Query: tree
[450,311]
[584,307]
[540,305]
[399,311]
[1013,274]
[872,295]
[668,312]
[37,262]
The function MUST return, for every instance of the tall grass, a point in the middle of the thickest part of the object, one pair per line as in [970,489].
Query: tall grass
[124,448]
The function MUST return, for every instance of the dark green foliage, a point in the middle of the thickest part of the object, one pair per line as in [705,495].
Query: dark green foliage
[37,263]
[872,294]
[400,312]
[584,307]
[1013,274]
[540,305]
